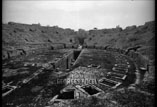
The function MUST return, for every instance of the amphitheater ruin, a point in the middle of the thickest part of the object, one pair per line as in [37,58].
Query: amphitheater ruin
[67,72]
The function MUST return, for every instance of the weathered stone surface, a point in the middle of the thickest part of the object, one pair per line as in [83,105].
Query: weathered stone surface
[22,36]
[35,36]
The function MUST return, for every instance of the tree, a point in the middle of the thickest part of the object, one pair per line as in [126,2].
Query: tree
[117,26]
[95,28]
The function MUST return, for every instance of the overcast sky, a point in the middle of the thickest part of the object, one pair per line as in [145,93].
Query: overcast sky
[79,14]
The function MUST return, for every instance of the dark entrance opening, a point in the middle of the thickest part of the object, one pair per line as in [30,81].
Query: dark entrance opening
[90,90]
[52,48]
[64,45]
[66,95]
[76,54]
[67,63]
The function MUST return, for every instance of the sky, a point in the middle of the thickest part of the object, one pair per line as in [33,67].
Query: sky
[79,14]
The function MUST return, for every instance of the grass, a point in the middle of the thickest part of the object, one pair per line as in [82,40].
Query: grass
[130,98]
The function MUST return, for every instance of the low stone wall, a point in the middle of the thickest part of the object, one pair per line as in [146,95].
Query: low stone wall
[6,54]
[27,49]
[57,46]
[65,62]
[75,46]
[90,46]
[139,59]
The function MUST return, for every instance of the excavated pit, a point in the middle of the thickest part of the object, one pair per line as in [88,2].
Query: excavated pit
[66,95]
[90,90]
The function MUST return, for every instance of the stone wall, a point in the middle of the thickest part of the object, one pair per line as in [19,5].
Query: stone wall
[65,62]
[138,58]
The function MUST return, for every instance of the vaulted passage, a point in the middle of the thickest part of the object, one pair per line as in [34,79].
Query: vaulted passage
[76,54]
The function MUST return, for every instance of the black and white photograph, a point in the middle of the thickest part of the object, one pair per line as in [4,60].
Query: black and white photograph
[78,53]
